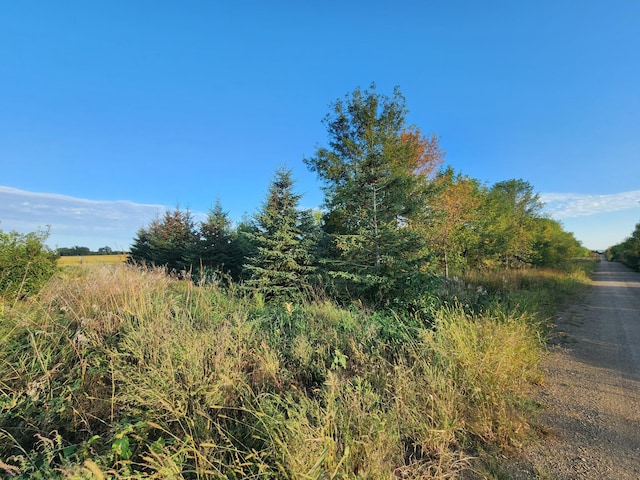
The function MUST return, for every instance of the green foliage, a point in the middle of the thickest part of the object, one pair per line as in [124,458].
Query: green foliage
[281,267]
[218,249]
[627,252]
[74,251]
[373,174]
[553,246]
[84,251]
[211,250]
[115,371]
[26,263]
[452,218]
[387,228]
[127,373]
[170,242]
[507,228]
[471,227]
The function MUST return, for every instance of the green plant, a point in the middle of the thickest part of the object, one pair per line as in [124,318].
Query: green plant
[26,263]
[282,264]
[129,373]
[374,172]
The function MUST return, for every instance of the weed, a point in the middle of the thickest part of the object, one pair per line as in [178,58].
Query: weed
[117,371]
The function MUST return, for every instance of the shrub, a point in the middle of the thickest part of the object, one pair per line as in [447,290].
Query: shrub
[26,263]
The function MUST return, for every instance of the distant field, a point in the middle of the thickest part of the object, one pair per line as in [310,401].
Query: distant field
[85,259]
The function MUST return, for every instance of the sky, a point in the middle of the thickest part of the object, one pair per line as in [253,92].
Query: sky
[112,112]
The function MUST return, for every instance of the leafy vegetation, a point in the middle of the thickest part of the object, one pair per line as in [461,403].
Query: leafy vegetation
[114,371]
[395,334]
[627,252]
[26,263]
[170,241]
[78,251]
[218,250]
[392,222]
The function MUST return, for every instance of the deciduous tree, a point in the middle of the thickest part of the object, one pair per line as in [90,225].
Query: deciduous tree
[553,246]
[451,220]
[508,230]
[628,251]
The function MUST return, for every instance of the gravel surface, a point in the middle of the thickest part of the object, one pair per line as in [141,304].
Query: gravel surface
[591,395]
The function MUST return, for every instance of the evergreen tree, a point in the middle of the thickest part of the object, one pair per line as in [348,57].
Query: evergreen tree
[374,173]
[244,248]
[282,263]
[216,243]
[140,250]
[170,241]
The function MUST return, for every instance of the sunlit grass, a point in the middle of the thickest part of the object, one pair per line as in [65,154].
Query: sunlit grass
[126,372]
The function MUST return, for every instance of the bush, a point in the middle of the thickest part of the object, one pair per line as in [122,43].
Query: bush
[26,263]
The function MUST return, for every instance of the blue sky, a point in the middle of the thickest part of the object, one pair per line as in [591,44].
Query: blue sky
[112,111]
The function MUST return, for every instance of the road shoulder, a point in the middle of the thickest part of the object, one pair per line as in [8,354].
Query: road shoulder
[590,420]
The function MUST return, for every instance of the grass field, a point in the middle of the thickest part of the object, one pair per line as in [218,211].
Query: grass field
[85,259]
[122,372]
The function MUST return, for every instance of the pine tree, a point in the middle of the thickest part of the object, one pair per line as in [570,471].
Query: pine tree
[217,243]
[170,241]
[374,175]
[281,265]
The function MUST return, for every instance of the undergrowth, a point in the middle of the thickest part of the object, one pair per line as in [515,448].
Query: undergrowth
[117,372]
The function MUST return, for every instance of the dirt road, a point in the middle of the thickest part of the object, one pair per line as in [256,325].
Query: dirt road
[591,421]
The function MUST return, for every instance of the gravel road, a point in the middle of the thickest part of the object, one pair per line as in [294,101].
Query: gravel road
[591,419]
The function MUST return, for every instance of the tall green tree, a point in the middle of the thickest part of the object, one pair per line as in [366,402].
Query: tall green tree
[374,171]
[553,246]
[282,264]
[451,220]
[170,241]
[244,248]
[508,229]
[217,243]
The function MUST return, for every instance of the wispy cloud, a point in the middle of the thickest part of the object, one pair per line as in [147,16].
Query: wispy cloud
[74,221]
[94,224]
[570,205]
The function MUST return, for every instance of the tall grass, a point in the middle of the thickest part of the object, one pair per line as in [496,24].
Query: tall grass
[115,371]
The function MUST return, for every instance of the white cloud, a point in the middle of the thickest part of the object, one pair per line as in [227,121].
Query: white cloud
[75,221]
[571,205]
[95,224]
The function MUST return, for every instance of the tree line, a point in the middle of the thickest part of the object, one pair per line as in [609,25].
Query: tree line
[77,251]
[628,251]
[393,219]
